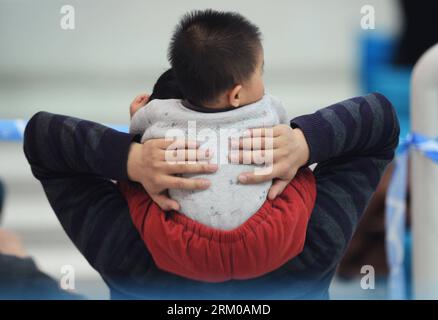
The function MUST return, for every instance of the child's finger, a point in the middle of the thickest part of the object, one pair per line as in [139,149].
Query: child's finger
[144,99]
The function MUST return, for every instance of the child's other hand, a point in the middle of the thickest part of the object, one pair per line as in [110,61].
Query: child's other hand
[289,152]
[139,101]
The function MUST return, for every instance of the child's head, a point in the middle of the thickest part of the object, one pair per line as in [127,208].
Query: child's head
[217,58]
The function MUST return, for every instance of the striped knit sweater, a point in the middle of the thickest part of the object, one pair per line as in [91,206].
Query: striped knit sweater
[352,142]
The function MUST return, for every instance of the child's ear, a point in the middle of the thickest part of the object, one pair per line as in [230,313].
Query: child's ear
[234,96]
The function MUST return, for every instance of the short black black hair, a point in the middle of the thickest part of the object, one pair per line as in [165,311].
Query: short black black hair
[166,87]
[211,51]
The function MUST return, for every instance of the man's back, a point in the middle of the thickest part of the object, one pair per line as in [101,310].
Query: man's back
[352,142]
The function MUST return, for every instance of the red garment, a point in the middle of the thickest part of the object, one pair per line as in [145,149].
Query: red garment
[271,237]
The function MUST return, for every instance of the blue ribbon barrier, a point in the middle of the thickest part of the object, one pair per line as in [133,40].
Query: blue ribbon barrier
[13,129]
[395,219]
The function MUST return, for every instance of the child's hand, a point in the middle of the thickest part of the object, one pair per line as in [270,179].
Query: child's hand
[138,102]
[289,153]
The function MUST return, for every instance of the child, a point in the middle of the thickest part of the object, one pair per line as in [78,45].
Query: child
[228,230]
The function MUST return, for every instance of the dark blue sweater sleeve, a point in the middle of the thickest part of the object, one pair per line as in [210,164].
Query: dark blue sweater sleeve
[74,160]
[360,126]
[352,142]
[56,144]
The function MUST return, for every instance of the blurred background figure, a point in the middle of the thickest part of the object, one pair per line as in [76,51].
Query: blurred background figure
[20,278]
[418,32]
[313,57]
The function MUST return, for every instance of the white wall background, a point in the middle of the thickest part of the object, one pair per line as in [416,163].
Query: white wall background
[118,49]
